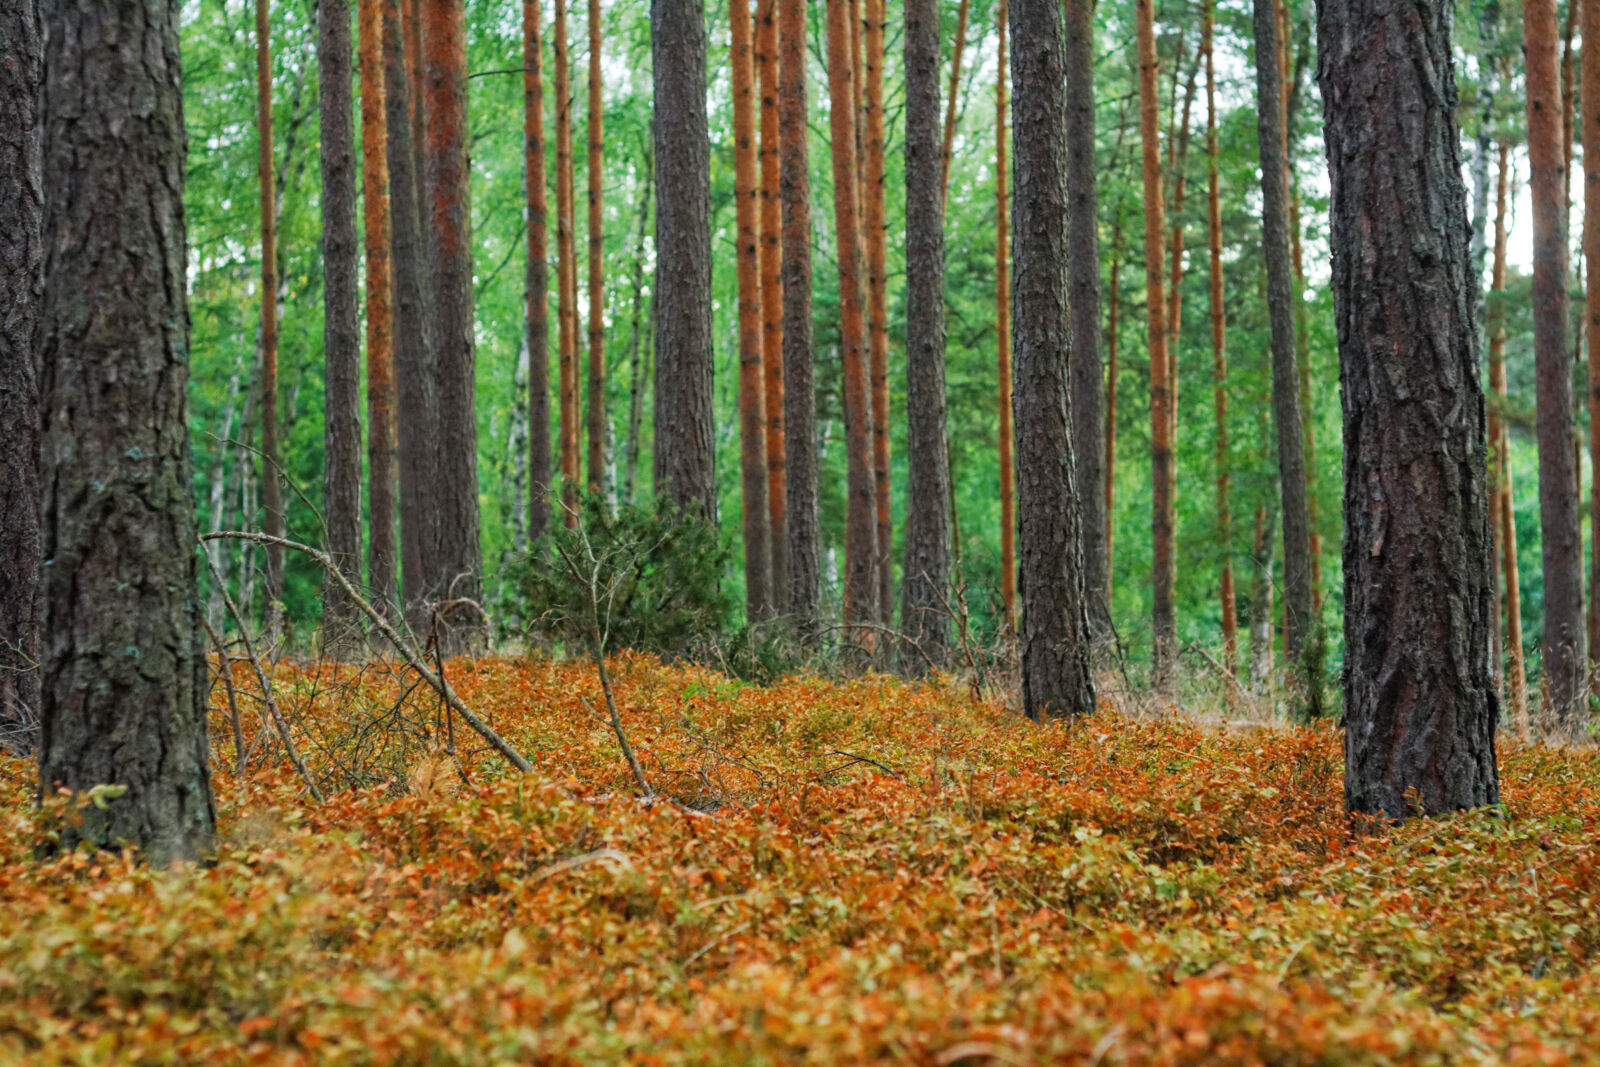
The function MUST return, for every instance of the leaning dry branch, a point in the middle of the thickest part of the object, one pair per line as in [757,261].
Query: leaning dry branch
[413,659]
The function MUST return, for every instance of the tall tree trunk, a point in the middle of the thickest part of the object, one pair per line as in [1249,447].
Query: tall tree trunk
[599,427]
[536,284]
[956,48]
[1164,568]
[752,399]
[639,347]
[413,365]
[1002,331]
[118,512]
[1056,675]
[21,281]
[1219,360]
[1591,255]
[861,585]
[1285,375]
[772,298]
[876,240]
[925,575]
[799,400]
[1083,280]
[1562,540]
[685,450]
[1420,703]
[566,270]
[419,92]
[341,329]
[1178,153]
[271,482]
[381,449]
[1261,603]
[460,563]
[1500,513]
[1113,332]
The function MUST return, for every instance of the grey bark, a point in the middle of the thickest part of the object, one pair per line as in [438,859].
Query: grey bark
[124,679]
[1056,675]
[639,346]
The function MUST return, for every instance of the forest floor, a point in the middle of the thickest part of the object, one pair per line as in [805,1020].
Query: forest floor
[849,872]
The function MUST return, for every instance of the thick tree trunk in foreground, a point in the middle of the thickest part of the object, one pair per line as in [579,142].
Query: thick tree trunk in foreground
[1562,539]
[118,518]
[381,453]
[685,456]
[1280,310]
[799,401]
[875,238]
[1419,697]
[341,328]
[598,426]
[536,282]
[271,482]
[1591,257]
[772,298]
[925,575]
[460,562]
[1002,330]
[566,270]
[21,256]
[1219,359]
[1056,676]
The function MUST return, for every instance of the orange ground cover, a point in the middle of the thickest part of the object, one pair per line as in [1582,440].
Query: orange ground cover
[982,891]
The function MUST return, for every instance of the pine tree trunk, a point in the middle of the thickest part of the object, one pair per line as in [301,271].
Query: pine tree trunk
[598,426]
[1002,330]
[1285,375]
[638,347]
[118,519]
[956,48]
[271,482]
[752,398]
[772,298]
[685,455]
[1056,676]
[566,270]
[21,280]
[1591,256]
[925,575]
[1113,333]
[1261,604]
[1219,361]
[536,284]
[460,563]
[1178,152]
[799,400]
[1420,704]
[861,584]
[1562,540]
[419,92]
[381,452]
[876,240]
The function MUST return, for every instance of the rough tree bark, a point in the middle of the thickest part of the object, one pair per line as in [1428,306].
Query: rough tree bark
[1562,540]
[685,457]
[598,426]
[1056,675]
[460,562]
[566,270]
[772,298]
[925,575]
[21,257]
[1002,329]
[124,690]
[536,282]
[271,483]
[799,401]
[381,454]
[1219,359]
[1420,703]
[875,238]
[1591,256]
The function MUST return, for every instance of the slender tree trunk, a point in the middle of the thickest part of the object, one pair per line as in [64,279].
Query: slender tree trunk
[381,448]
[1420,703]
[861,585]
[1261,604]
[1219,361]
[956,48]
[1002,330]
[638,354]
[1164,568]
[876,240]
[1178,154]
[1056,675]
[1500,513]
[1562,540]
[925,576]
[772,298]
[1113,332]
[685,455]
[799,400]
[566,270]
[21,282]
[118,511]
[536,284]
[599,427]
[1285,375]
[460,563]
[1591,255]
[1083,280]
[752,399]
[271,482]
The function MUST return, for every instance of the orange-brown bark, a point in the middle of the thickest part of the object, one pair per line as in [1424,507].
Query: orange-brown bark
[566,268]
[1002,324]
[956,48]
[382,435]
[1500,513]
[772,299]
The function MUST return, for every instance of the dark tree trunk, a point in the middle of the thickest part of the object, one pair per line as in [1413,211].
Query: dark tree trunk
[1056,677]
[799,401]
[925,572]
[413,327]
[685,451]
[874,243]
[536,284]
[460,562]
[1083,279]
[1420,703]
[1002,325]
[772,298]
[21,255]
[1280,313]
[271,480]
[124,687]
[598,426]
[639,346]
[341,330]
